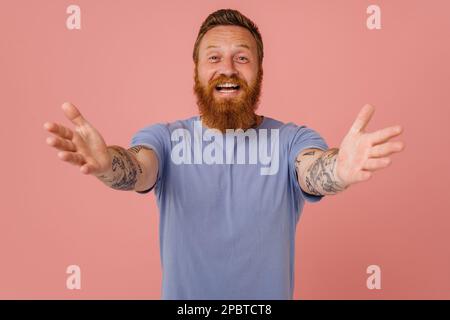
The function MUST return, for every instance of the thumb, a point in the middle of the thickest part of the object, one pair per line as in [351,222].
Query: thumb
[73,114]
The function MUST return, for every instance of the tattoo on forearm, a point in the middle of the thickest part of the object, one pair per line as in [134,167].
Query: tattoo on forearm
[125,169]
[320,177]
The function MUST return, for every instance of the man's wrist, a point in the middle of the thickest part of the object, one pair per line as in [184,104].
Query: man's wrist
[339,181]
[108,172]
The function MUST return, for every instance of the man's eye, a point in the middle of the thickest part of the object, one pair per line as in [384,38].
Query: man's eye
[243,59]
[213,58]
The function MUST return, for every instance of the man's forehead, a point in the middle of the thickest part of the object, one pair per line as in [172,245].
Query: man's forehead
[225,35]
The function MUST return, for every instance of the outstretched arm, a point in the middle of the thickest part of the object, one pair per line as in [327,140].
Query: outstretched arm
[132,169]
[359,155]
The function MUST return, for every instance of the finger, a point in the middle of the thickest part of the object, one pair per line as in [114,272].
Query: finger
[73,114]
[385,134]
[72,157]
[88,169]
[59,130]
[385,149]
[85,169]
[372,164]
[363,117]
[61,144]
[363,175]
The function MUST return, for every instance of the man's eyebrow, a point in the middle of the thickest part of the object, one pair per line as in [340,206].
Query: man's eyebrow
[243,45]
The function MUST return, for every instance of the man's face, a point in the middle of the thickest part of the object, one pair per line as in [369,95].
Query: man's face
[228,78]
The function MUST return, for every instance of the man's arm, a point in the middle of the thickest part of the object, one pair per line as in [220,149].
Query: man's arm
[133,169]
[358,156]
[121,169]
[316,171]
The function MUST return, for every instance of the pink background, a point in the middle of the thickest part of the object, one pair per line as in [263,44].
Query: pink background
[130,65]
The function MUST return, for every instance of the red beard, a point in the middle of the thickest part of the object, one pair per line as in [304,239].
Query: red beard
[228,113]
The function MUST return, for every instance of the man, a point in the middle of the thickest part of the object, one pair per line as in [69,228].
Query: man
[230,184]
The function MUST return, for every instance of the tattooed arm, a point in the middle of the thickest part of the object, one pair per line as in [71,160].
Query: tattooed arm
[316,171]
[121,169]
[360,154]
[132,169]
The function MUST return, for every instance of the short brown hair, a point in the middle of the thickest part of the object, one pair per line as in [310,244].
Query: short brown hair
[229,17]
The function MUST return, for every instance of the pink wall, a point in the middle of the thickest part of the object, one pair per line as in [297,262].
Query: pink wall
[130,65]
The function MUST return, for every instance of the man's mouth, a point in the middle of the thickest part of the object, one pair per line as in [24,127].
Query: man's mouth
[227,87]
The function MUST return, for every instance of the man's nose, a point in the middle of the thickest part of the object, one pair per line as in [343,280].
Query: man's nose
[228,67]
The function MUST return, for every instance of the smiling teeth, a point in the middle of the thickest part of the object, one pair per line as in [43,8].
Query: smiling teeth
[228,85]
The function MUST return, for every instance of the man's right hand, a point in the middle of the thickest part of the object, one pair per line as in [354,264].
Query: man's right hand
[83,146]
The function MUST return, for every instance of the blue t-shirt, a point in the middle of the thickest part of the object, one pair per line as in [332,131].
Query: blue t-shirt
[229,205]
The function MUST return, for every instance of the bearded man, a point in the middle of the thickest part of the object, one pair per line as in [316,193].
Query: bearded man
[227,227]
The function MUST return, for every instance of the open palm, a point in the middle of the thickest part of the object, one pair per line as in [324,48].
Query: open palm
[361,153]
[83,146]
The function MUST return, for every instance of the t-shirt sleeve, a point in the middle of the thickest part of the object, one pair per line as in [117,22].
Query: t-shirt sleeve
[154,137]
[303,138]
